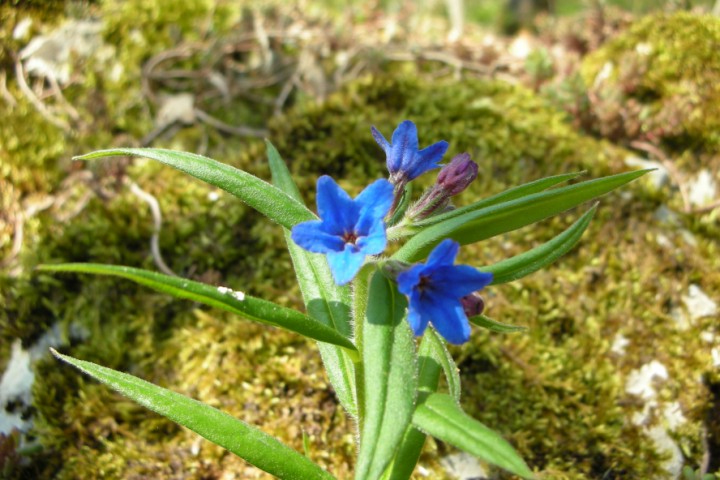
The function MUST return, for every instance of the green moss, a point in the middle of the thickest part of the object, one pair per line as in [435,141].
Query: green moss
[556,386]
[665,74]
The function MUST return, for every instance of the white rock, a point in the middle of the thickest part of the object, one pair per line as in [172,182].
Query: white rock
[640,382]
[51,55]
[463,466]
[620,343]
[698,304]
[673,415]
[702,189]
[715,354]
[22,28]
[176,108]
[666,445]
[643,48]
[15,388]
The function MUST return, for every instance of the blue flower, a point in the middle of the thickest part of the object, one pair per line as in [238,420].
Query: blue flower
[348,230]
[404,161]
[435,289]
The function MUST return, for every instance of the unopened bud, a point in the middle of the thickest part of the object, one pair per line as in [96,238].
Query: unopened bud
[457,175]
[473,304]
[452,179]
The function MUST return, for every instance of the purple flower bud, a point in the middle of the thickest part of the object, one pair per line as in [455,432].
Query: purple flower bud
[457,175]
[473,304]
[452,179]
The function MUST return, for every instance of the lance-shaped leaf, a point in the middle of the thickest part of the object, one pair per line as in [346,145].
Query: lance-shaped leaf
[505,196]
[272,202]
[476,225]
[494,325]
[440,416]
[432,360]
[245,441]
[539,257]
[388,354]
[224,298]
[325,301]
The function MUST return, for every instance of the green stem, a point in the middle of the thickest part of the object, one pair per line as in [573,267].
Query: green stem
[359,306]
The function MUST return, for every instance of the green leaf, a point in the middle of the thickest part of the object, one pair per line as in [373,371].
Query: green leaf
[476,225]
[429,368]
[281,177]
[509,194]
[439,352]
[232,301]
[272,202]
[388,354]
[245,441]
[441,417]
[325,301]
[542,256]
[494,325]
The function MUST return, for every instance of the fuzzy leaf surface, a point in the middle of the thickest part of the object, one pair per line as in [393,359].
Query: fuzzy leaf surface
[539,257]
[475,225]
[245,441]
[440,416]
[505,196]
[390,388]
[325,301]
[246,306]
[272,202]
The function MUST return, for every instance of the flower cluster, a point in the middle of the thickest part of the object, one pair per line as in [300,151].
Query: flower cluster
[349,230]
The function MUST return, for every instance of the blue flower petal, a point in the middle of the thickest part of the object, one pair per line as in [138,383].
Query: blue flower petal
[348,230]
[463,278]
[344,265]
[427,159]
[435,290]
[375,241]
[442,312]
[335,207]
[418,322]
[384,144]
[311,237]
[453,325]
[404,147]
[409,279]
[375,202]
[444,253]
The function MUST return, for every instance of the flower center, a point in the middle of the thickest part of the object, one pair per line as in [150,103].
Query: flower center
[424,283]
[350,237]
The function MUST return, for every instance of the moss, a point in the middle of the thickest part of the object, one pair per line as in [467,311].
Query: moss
[558,384]
[665,75]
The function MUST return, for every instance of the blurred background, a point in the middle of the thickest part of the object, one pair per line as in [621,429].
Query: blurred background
[617,374]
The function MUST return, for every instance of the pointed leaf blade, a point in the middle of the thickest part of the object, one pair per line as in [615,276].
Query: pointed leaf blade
[441,417]
[431,362]
[325,301]
[487,222]
[260,195]
[494,325]
[236,302]
[539,257]
[249,443]
[505,196]
[390,382]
